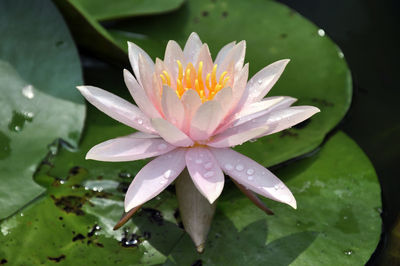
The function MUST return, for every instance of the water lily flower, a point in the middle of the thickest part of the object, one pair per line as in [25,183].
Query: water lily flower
[190,111]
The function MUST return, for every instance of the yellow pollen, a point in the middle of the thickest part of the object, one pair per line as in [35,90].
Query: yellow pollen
[190,78]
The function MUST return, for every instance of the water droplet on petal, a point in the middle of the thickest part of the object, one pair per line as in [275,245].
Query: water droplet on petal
[162,146]
[276,187]
[250,177]
[208,165]
[250,171]
[239,167]
[228,166]
[199,161]
[321,32]
[163,181]
[168,174]
[259,81]
[139,121]
[209,174]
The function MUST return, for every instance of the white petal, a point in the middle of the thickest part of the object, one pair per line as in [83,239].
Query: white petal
[172,106]
[205,57]
[171,133]
[139,95]
[253,176]
[146,77]
[224,98]
[206,120]
[205,172]
[128,148]
[154,178]
[223,52]
[117,108]
[192,47]
[261,83]
[235,56]
[134,52]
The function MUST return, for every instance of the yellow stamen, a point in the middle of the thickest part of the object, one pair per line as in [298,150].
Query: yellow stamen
[222,77]
[164,81]
[214,76]
[180,74]
[187,76]
[179,87]
[168,78]
[196,84]
[208,82]
[225,81]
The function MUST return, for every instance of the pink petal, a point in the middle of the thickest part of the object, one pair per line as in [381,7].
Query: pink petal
[154,178]
[128,148]
[192,47]
[117,108]
[224,52]
[236,138]
[239,86]
[191,102]
[260,108]
[206,120]
[171,133]
[172,106]
[139,95]
[205,172]
[205,57]
[146,77]
[134,52]
[235,56]
[253,176]
[224,97]
[142,135]
[272,122]
[173,52]
[261,83]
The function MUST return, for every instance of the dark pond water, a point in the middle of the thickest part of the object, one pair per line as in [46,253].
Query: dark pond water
[367,31]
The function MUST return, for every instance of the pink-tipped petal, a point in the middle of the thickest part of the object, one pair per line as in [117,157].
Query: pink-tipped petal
[261,83]
[128,148]
[154,178]
[134,52]
[236,138]
[139,95]
[223,52]
[206,120]
[205,172]
[253,176]
[117,108]
[146,77]
[171,133]
[192,47]
[191,102]
[172,107]
[173,52]
[239,86]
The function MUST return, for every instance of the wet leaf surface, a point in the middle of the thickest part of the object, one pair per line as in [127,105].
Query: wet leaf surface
[39,68]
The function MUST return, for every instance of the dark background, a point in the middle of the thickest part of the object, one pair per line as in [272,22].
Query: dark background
[367,31]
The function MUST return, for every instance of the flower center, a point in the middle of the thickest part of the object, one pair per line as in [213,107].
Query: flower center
[190,78]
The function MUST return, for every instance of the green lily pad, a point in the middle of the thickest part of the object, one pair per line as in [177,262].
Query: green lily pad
[39,67]
[317,74]
[106,10]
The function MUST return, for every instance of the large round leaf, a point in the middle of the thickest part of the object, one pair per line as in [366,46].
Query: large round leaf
[106,10]
[39,67]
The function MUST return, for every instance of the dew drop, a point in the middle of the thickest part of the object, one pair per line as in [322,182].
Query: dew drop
[239,167]
[250,177]
[209,174]
[250,171]
[208,165]
[228,166]
[168,174]
[163,181]
[321,32]
[259,81]
[276,187]
[199,161]
[348,252]
[139,121]
[162,146]
[27,91]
